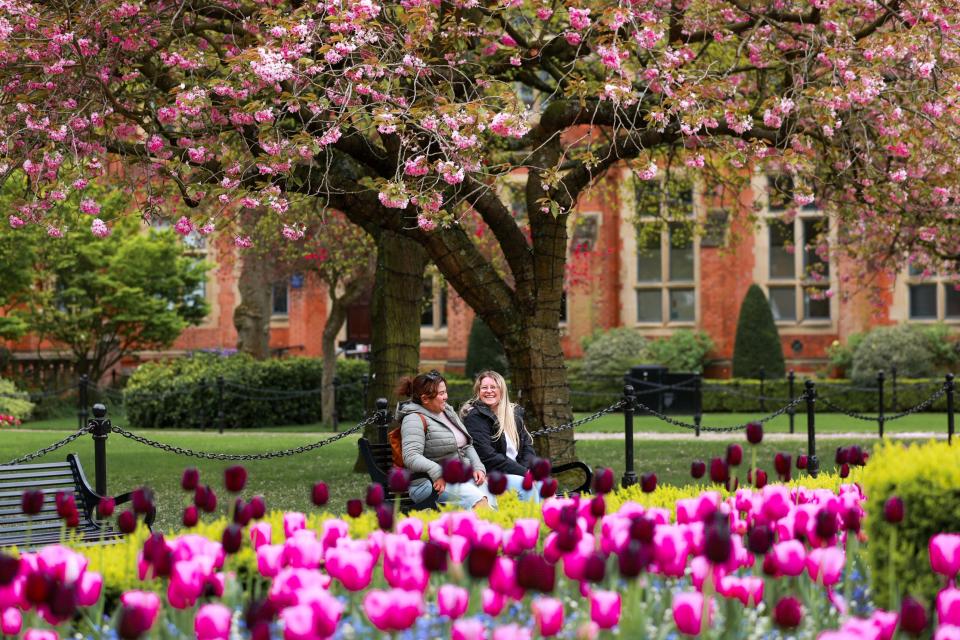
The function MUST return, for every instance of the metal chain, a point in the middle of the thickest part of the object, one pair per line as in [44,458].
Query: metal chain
[920,407]
[851,414]
[687,425]
[248,456]
[576,423]
[53,447]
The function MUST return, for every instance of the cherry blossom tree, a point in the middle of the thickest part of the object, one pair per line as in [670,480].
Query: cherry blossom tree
[406,115]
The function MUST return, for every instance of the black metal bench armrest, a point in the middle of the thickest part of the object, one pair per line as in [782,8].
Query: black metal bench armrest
[577,465]
[91,499]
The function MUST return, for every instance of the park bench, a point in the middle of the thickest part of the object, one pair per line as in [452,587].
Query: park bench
[16,529]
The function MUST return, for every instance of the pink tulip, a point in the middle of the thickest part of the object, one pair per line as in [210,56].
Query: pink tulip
[747,589]
[688,612]
[187,581]
[411,527]
[826,565]
[948,607]
[293,521]
[333,529]
[403,564]
[947,632]
[776,502]
[886,622]
[11,622]
[526,532]
[492,602]
[269,559]
[40,634]
[789,557]
[468,629]
[512,632]
[261,533]
[452,601]
[88,588]
[548,614]
[147,602]
[290,583]
[393,610]
[302,550]
[503,578]
[605,608]
[299,622]
[212,622]
[352,567]
[316,615]
[945,554]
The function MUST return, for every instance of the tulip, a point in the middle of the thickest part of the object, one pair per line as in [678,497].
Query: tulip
[127,522]
[11,622]
[603,480]
[375,495]
[190,516]
[605,608]
[734,454]
[31,502]
[841,456]
[947,632]
[9,568]
[761,479]
[434,557]
[548,614]
[258,507]
[781,462]
[541,468]
[717,542]
[204,498]
[688,612]
[826,525]
[754,432]
[844,470]
[595,567]
[468,629]
[527,484]
[913,616]
[852,520]
[759,539]
[948,607]
[40,634]
[354,507]
[789,557]
[393,610]
[294,521]
[492,602]
[320,494]
[190,479]
[496,482]
[944,554]
[719,471]
[648,482]
[352,567]
[802,461]
[398,480]
[453,471]
[788,612]
[826,565]
[548,487]
[512,632]
[893,510]
[452,601]
[106,507]
[138,613]
[212,622]
[480,560]
[534,572]
[232,538]
[235,478]
[385,517]
[242,512]
[598,506]
[697,469]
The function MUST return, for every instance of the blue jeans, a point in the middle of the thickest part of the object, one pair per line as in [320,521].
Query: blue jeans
[515,483]
[465,494]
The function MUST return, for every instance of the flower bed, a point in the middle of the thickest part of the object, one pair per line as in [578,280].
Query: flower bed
[785,559]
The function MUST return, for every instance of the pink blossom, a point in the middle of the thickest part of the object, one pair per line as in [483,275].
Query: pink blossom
[579,18]
[155,144]
[15,222]
[649,173]
[292,233]
[544,13]
[197,154]
[54,232]
[416,166]
[207,229]
[212,622]
[426,223]
[99,228]
[927,234]
[243,242]
[451,173]
[184,227]
[572,37]
[548,614]
[396,200]
[330,136]
[271,67]
[393,610]
[263,115]
[89,207]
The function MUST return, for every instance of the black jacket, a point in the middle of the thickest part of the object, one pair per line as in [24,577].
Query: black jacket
[482,425]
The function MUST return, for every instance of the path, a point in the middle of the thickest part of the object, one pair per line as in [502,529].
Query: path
[773,437]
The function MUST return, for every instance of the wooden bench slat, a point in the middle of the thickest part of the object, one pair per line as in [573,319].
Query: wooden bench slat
[38,484]
[46,465]
[43,516]
[49,498]
[26,475]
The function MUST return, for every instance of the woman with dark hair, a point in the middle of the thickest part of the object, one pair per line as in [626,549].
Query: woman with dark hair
[499,436]
[432,434]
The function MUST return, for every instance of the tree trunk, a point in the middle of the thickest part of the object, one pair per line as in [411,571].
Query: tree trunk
[353,289]
[252,316]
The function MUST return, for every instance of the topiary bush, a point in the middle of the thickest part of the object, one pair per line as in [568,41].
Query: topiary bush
[684,351]
[611,353]
[908,347]
[757,344]
[13,402]
[257,393]
[927,478]
[484,351]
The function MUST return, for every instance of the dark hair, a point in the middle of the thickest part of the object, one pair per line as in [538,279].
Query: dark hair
[426,385]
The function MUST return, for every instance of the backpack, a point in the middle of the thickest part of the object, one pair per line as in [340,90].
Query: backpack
[396,442]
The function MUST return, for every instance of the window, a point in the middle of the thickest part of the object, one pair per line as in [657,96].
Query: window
[932,297]
[434,315]
[195,247]
[280,296]
[666,290]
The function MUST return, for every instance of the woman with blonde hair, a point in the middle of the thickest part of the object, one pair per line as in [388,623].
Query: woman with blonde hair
[499,436]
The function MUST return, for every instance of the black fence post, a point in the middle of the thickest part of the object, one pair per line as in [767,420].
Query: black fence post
[335,415]
[629,476]
[383,419]
[220,404]
[100,427]
[813,463]
[202,411]
[697,403]
[893,387]
[763,379]
[791,377]
[82,401]
[881,378]
[950,408]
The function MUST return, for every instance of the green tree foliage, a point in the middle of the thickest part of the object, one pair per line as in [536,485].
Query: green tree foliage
[612,353]
[685,350]
[484,351]
[758,341]
[916,352]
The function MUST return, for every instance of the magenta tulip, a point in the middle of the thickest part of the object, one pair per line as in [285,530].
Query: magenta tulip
[11,622]
[789,557]
[945,554]
[688,612]
[139,613]
[452,601]
[512,632]
[825,565]
[235,478]
[548,614]
[353,567]
[948,607]
[603,480]
[393,610]
[212,622]
[754,432]
[190,516]
[190,479]
[492,602]
[913,617]
[697,469]
[127,522]
[31,502]
[605,608]
[788,612]
[468,629]
[40,634]
[734,454]
[648,482]
[106,507]
[893,510]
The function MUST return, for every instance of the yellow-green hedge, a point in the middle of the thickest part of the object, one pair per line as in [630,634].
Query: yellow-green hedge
[927,478]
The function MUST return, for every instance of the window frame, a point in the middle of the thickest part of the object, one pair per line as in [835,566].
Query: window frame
[439,308]
[274,314]
[940,283]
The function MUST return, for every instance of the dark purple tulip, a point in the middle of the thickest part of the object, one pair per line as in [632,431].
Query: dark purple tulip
[153,547]
[190,479]
[434,557]
[235,478]
[31,502]
[497,482]
[232,538]
[398,480]
[852,520]
[480,560]
[844,470]
[548,488]
[717,542]
[595,568]
[719,471]
[127,522]
[205,499]
[633,559]
[541,468]
[567,537]
[770,565]
[598,506]
[354,507]
[913,617]
[258,507]
[242,512]
[788,612]
[760,480]
[781,462]
[38,587]
[642,528]
[826,525]
[63,601]
[754,432]
[759,539]
[132,623]
[190,516]
[106,507]
[603,480]
[842,455]
[698,468]
[66,504]
[535,573]
[320,494]
[802,461]
[375,494]
[453,471]
[893,510]
[648,482]
[734,454]
[855,456]
[9,568]
[385,516]
[527,480]
[142,500]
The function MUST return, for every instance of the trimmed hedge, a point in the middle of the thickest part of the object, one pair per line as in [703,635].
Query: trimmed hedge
[257,393]
[927,478]
[14,402]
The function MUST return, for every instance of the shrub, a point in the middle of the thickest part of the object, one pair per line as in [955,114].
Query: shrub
[14,403]
[684,351]
[927,478]
[484,351]
[841,354]
[611,353]
[907,347]
[183,392]
[757,344]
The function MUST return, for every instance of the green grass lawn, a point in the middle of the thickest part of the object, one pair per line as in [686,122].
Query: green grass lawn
[286,482]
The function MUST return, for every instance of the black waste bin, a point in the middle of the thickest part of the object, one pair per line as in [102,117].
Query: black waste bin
[652,384]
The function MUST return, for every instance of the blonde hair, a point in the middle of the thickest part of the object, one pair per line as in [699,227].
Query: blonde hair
[507,424]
